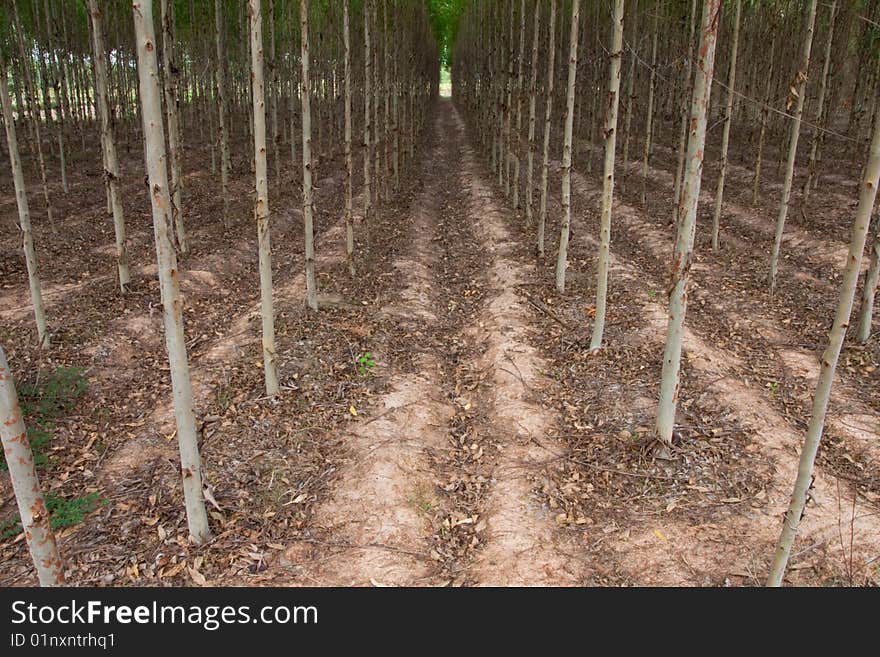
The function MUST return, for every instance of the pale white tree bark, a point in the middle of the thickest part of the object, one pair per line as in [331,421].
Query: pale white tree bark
[684,241]
[169,283]
[24,213]
[562,255]
[866,313]
[349,166]
[108,143]
[608,177]
[548,109]
[683,132]
[170,88]
[368,81]
[820,109]
[311,291]
[649,119]
[261,210]
[533,89]
[222,106]
[725,137]
[867,196]
[35,519]
[800,87]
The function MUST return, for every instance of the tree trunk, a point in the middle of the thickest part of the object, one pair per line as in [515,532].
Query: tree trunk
[172,304]
[35,518]
[562,256]
[349,166]
[311,292]
[725,138]
[684,241]
[821,118]
[368,80]
[261,210]
[866,314]
[169,67]
[683,132]
[108,143]
[799,86]
[517,162]
[24,214]
[533,88]
[545,171]
[649,119]
[222,107]
[608,178]
[630,94]
[867,196]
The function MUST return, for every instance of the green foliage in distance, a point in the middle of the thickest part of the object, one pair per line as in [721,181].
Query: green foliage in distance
[445,16]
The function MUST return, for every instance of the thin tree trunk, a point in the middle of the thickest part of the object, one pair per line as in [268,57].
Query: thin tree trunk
[222,106]
[608,178]
[649,119]
[866,313]
[765,111]
[108,142]
[368,81]
[517,162]
[349,166]
[545,171]
[533,88]
[174,151]
[725,138]
[683,132]
[311,292]
[261,210]
[562,256]
[867,196]
[35,518]
[172,304]
[684,241]
[630,94]
[24,214]
[820,109]
[799,86]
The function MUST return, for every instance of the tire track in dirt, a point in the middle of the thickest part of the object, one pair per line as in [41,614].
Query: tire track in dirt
[522,544]
[377,523]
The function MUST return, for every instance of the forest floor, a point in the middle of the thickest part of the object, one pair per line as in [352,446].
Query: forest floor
[442,421]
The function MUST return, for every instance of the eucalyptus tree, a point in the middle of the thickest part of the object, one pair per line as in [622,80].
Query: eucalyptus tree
[545,170]
[35,518]
[169,283]
[728,120]
[867,197]
[170,73]
[684,241]
[308,222]
[24,214]
[562,255]
[798,87]
[610,132]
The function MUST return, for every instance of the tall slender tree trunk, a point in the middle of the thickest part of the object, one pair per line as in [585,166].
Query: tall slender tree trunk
[368,81]
[684,241]
[562,256]
[311,292]
[872,276]
[108,143]
[630,86]
[649,119]
[821,119]
[867,196]
[349,165]
[24,213]
[34,114]
[35,518]
[57,81]
[545,170]
[517,162]
[169,66]
[222,107]
[261,210]
[765,112]
[533,90]
[172,304]
[800,86]
[611,112]
[683,131]
[728,120]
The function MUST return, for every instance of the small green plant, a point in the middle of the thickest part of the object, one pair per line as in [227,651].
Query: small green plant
[70,512]
[43,402]
[365,363]
[773,387]
[9,528]
[652,294]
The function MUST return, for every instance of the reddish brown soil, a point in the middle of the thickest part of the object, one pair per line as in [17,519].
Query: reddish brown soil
[486,446]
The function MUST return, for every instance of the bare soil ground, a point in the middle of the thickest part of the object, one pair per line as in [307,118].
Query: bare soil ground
[485,446]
